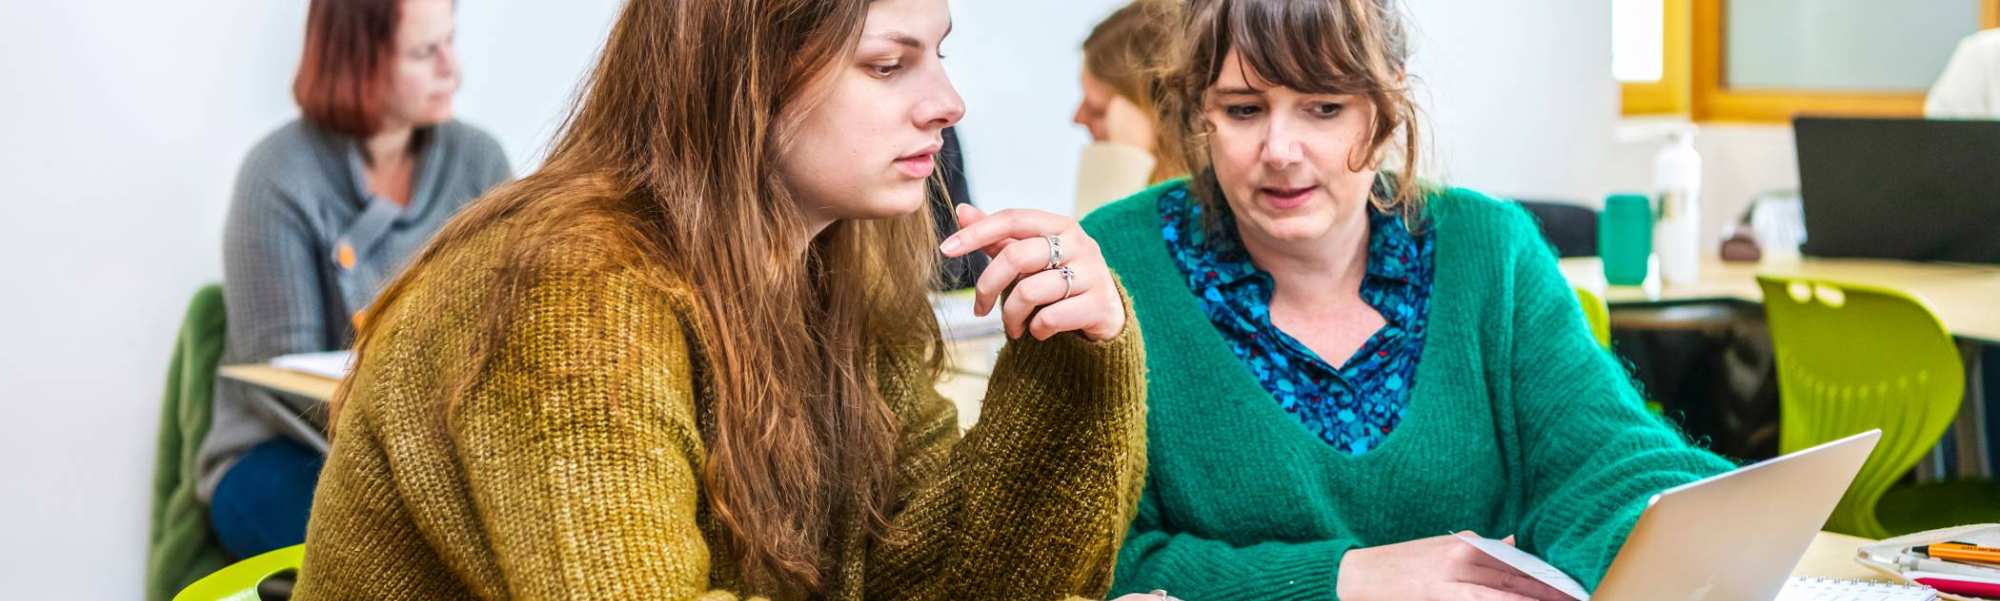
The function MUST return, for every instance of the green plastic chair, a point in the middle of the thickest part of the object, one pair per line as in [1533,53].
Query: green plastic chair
[240,581]
[1597,313]
[1852,358]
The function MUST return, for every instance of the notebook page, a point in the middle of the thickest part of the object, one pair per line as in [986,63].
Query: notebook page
[1821,589]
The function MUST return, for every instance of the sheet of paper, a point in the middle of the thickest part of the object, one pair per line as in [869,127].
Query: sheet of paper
[1528,564]
[333,365]
[954,314]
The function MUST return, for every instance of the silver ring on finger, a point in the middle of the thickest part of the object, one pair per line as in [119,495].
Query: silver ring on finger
[1055,251]
[1069,280]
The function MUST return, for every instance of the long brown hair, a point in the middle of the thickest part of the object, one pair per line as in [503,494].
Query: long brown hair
[1123,51]
[669,152]
[1348,47]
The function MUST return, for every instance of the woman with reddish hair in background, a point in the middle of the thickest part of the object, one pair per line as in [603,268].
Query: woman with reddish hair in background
[325,210]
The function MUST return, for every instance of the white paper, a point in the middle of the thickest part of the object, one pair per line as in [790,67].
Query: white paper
[954,315]
[1528,564]
[333,365]
[1817,589]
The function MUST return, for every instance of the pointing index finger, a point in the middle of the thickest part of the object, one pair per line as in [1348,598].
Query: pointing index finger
[1011,224]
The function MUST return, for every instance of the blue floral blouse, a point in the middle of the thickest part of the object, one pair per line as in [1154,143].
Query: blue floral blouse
[1353,406]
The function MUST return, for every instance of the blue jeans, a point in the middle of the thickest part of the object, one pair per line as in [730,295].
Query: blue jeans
[262,502]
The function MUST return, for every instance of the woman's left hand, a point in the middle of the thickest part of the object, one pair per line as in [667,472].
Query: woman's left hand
[1055,294]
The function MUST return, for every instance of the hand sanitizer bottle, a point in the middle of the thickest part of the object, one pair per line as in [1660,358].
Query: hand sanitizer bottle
[1677,200]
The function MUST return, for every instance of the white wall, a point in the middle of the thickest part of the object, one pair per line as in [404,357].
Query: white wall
[1520,103]
[120,132]
[123,122]
[1518,96]
[1016,62]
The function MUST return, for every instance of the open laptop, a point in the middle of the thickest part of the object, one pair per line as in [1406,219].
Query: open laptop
[1905,189]
[1735,536]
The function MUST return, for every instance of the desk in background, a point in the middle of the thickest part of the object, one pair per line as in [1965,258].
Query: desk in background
[285,381]
[1965,297]
[970,363]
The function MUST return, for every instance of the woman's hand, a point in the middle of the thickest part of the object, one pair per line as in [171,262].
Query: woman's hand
[1051,294]
[1436,568]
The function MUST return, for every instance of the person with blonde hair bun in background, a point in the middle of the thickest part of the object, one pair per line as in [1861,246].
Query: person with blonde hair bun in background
[1123,60]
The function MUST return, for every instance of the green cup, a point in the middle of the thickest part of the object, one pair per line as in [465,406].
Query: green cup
[1625,238]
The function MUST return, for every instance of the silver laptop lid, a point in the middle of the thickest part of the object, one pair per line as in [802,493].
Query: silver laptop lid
[1737,535]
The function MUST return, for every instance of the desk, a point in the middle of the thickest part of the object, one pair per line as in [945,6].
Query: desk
[1965,297]
[282,380]
[971,363]
[1832,556]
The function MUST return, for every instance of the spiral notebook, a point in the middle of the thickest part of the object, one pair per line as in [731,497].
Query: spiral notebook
[1823,589]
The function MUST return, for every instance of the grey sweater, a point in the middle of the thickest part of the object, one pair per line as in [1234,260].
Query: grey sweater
[301,204]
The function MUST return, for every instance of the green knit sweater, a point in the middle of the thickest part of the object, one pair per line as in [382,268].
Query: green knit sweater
[1518,424]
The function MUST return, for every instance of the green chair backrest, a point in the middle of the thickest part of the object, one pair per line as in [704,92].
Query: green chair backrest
[239,581]
[1853,358]
[1597,313]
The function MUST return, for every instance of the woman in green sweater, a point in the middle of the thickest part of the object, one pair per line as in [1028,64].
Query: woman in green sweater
[1345,364]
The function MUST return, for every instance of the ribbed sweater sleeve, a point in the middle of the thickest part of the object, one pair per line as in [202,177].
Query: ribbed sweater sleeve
[1034,501]
[1595,454]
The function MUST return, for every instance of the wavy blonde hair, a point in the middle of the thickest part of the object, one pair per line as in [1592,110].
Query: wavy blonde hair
[1123,51]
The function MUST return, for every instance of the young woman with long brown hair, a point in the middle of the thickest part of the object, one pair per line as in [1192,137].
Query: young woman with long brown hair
[692,355]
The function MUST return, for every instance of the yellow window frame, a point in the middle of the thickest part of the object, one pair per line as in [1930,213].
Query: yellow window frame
[1669,95]
[1692,78]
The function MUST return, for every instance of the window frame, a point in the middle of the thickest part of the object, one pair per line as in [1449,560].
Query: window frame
[1692,83]
[1669,95]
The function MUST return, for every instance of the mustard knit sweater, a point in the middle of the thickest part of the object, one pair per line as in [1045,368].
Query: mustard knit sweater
[571,469]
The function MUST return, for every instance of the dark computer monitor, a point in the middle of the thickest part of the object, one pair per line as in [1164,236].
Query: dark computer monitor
[1910,189]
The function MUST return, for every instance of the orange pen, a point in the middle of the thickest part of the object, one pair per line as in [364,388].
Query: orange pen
[1961,552]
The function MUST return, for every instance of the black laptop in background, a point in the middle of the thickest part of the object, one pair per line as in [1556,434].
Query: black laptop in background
[1909,189]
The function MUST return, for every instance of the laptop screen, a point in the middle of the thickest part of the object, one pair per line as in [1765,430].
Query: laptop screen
[1908,189]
